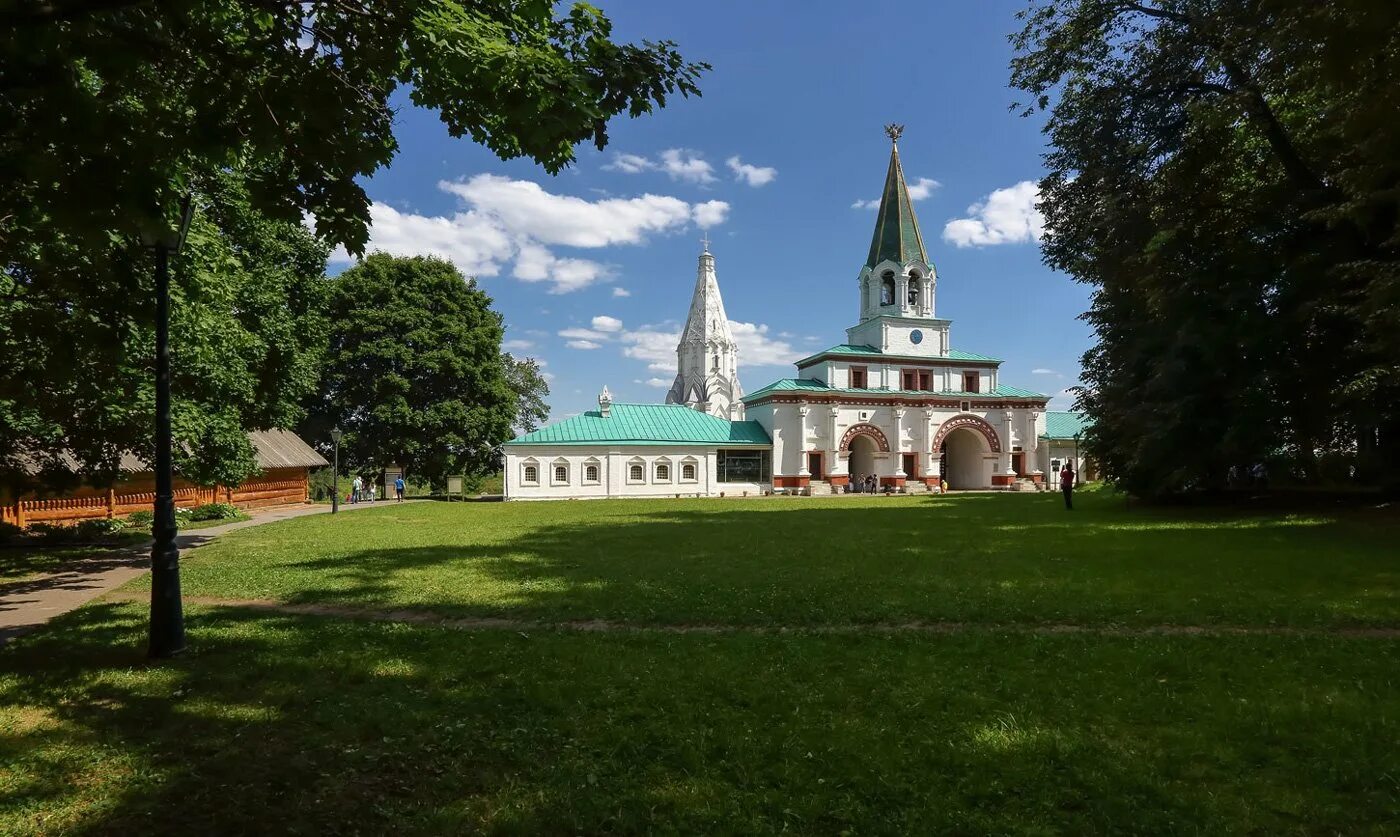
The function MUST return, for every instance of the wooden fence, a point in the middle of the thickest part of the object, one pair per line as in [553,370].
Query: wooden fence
[275,488]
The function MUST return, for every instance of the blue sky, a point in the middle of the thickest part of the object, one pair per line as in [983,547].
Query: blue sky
[593,268]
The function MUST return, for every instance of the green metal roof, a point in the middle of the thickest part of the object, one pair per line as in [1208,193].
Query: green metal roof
[897,234]
[864,351]
[815,386]
[644,424]
[1063,424]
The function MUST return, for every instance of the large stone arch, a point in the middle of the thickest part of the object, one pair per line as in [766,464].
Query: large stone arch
[972,423]
[875,433]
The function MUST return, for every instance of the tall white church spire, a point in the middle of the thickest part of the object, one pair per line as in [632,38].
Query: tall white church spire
[707,359]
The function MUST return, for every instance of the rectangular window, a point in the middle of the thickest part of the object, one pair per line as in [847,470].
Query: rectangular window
[744,465]
[970,382]
[857,377]
[909,379]
[926,381]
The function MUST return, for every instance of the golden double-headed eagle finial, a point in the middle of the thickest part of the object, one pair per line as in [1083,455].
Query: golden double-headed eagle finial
[894,131]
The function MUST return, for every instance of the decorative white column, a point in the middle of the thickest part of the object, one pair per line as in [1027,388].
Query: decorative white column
[1008,440]
[802,470]
[929,455]
[901,290]
[899,442]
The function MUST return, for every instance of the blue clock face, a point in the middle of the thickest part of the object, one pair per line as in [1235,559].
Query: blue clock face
[916,337]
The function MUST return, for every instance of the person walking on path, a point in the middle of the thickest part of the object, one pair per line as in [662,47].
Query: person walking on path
[356,488]
[373,491]
[1067,486]
[398,488]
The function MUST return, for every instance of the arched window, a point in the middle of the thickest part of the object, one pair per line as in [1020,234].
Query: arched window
[716,366]
[688,471]
[913,288]
[663,473]
[561,473]
[887,288]
[532,474]
[590,473]
[636,473]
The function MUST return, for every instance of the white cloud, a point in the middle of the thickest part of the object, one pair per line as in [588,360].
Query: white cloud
[654,345]
[620,292]
[583,334]
[1044,372]
[630,164]
[583,344]
[606,323]
[505,220]
[918,190]
[710,213]
[517,345]
[548,377]
[660,383]
[750,174]
[683,164]
[1006,216]
[757,348]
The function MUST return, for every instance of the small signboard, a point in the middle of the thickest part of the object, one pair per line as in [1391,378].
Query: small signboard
[391,474]
[454,486]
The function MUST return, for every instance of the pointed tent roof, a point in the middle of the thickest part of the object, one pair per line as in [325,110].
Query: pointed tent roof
[897,235]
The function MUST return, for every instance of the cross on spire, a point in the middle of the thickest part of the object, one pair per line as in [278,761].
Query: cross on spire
[705,240]
[894,131]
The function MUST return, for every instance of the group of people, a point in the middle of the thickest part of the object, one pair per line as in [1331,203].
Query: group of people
[865,484]
[365,491]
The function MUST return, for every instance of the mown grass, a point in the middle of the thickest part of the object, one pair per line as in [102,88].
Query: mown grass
[316,725]
[981,557]
[286,723]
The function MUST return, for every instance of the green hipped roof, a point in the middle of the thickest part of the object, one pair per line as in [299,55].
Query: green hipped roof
[855,349]
[643,424]
[897,235]
[1063,424]
[815,386]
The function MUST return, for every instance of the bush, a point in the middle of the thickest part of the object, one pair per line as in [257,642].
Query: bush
[52,532]
[9,531]
[97,529]
[214,511]
[142,518]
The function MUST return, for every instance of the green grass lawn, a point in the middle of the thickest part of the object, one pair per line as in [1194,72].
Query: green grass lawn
[320,724]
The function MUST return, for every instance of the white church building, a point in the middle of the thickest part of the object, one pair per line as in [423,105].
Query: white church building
[894,404]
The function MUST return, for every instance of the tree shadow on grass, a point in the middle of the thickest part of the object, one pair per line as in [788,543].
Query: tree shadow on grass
[314,725]
[940,560]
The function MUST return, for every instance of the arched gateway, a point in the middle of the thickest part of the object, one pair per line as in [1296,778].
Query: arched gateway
[967,447]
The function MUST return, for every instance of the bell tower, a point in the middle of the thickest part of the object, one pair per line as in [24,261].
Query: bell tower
[898,282]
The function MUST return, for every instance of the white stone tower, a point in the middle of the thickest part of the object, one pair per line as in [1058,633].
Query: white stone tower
[707,358]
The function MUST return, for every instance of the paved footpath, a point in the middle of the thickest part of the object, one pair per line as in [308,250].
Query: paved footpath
[25,605]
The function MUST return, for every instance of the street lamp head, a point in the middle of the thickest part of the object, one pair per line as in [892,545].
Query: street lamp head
[335,435]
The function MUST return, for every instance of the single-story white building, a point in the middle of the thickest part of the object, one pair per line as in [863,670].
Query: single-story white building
[639,450]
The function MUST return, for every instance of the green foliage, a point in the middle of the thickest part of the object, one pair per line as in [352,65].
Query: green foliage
[109,106]
[525,379]
[215,511]
[414,375]
[1223,175]
[77,333]
[9,531]
[142,519]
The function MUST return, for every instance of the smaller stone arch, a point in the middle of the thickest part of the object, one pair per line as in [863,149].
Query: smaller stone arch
[972,423]
[875,433]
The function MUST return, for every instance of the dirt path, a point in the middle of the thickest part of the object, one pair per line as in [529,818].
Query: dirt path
[486,623]
[25,605]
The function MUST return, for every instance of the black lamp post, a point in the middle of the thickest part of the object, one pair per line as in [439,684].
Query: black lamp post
[1076,460]
[167,636]
[335,494]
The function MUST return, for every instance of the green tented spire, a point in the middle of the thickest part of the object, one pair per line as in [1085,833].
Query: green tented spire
[897,235]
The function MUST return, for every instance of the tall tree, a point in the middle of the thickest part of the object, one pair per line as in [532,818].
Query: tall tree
[1224,174]
[108,103]
[527,381]
[414,374]
[75,331]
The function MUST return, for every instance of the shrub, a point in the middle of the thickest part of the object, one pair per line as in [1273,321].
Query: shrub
[143,518]
[52,532]
[9,531]
[97,529]
[214,511]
